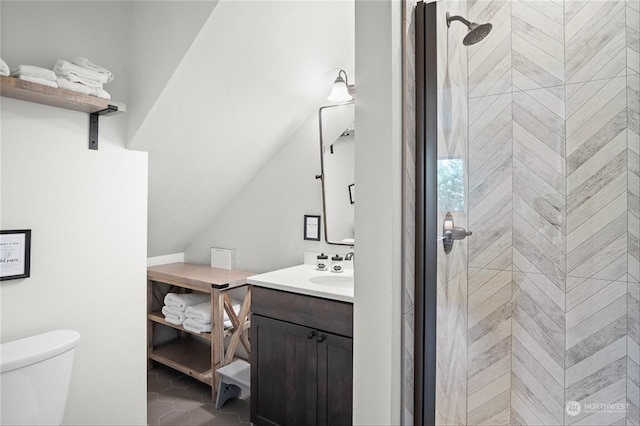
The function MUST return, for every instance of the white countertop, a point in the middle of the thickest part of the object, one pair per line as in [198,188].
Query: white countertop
[296,279]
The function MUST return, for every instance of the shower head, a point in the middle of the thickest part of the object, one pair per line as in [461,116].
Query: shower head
[476,33]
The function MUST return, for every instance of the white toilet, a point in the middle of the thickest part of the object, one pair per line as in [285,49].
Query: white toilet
[34,378]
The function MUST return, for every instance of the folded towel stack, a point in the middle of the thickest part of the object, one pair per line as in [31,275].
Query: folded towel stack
[35,74]
[175,305]
[198,317]
[83,76]
[4,68]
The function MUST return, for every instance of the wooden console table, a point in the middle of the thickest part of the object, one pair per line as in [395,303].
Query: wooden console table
[189,354]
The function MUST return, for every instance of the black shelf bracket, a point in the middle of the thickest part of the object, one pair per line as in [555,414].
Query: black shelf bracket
[93,124]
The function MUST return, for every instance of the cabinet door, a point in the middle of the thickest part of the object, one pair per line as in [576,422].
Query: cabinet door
[335,380]
[283,373]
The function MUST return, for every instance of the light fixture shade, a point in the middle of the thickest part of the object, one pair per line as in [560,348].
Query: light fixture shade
[339,92]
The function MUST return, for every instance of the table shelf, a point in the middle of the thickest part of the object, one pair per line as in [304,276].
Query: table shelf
[187,356]
[199,356]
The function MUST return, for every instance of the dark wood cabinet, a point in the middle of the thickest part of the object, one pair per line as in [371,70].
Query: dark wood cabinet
[301,360]
[335,380]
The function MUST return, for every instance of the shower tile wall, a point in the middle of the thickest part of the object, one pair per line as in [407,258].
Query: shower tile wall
[553,291]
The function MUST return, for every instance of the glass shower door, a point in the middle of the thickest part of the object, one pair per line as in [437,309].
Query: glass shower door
[530,140]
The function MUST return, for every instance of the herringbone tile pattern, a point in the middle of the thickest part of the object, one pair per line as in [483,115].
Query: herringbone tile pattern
[554,203]
[490,181]
[538,336]
[489,352]
[489,62]
[633,36]
[633,135]
[597,175]
[537,44]
[633,235]
[596,347]
[538,175]
[595,40]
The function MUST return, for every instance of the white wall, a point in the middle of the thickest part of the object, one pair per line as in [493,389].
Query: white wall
[264,221]
[161,34]
[252,76]
[377,309]
[87,213]
[61,30]
[86,210]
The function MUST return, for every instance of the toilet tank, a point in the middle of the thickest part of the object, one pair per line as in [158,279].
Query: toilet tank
[34,378]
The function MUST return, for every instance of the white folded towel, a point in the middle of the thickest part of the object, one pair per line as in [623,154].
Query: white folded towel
[101,93]
[4,68]
[194,326]
[42,81]
[66,84]
[33,71]
[84,62]
[202,312]
[79,74]
[173,316]
[181,301]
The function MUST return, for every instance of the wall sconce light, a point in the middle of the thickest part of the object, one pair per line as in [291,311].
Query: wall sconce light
[340,90]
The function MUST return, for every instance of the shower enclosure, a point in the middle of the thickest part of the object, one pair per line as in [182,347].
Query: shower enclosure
[529,139]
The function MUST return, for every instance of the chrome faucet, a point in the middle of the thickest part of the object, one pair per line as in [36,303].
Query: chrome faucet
[349,256]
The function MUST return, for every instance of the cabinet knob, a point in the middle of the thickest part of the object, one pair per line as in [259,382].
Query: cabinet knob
[311,335]
[321,338]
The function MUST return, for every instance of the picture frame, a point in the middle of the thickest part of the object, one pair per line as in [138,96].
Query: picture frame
[352,193]
[15,254]
[312,227]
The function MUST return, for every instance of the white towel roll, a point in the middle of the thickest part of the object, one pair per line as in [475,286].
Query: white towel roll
[181,301]
[173,316]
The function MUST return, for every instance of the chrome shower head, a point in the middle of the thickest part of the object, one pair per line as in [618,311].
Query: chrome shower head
[477,32]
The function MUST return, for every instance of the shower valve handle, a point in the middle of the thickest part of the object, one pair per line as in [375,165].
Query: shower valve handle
[457,233]
[451,233]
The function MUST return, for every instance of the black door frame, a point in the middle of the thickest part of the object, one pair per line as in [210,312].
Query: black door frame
[426,260]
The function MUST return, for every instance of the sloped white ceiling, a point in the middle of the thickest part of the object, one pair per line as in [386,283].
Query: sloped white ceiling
[161,33]
[253,74]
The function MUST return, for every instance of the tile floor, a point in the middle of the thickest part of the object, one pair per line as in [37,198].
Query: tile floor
[176,399]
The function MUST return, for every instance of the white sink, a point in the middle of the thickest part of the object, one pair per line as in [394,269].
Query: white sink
[333,280]
[306,279]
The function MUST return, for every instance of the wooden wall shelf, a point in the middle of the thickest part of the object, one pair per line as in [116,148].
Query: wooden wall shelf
[12,87]
[33,92]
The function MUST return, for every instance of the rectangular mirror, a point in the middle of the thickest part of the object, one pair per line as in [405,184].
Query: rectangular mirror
[337,159]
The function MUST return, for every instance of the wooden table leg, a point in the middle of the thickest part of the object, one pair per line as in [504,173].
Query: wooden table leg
[149,323]
[238,322]
[217,338]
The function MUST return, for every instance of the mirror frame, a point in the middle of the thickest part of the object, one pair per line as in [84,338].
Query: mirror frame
[321,175]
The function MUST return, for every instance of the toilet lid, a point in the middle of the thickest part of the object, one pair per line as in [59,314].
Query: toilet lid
[22,352]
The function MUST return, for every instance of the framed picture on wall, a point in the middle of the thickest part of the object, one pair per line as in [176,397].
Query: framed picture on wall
[311,227]
[15,254]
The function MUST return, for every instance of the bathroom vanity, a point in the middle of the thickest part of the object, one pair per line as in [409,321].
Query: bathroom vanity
[302,347]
